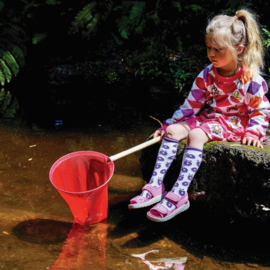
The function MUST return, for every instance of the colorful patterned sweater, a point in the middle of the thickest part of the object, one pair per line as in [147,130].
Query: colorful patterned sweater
[235,103]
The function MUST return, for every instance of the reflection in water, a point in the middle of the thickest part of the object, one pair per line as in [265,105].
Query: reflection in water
[162,263]
[85,248]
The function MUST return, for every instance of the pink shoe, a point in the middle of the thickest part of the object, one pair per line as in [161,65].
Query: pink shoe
[139,201]
[160,213]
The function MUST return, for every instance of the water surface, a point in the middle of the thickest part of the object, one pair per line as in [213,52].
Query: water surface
[36,229]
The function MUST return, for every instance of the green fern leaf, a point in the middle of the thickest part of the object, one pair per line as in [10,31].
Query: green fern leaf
[12,108]
[178,6]
[5,101]
[38,37]
[83,17]
[2,95]
[2,77]
[124,33]
[18,51]
[123,24]
[91,26]
[5,71]
[9,105]
[10,61]
[137,10]
[18,54]
[109,7]
[14,33]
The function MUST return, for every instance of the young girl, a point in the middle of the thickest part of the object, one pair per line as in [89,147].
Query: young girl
[226,103]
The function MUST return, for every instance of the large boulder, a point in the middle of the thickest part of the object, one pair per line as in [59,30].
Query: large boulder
[233,179]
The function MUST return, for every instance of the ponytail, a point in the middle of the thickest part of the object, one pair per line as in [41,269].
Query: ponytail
[252,57]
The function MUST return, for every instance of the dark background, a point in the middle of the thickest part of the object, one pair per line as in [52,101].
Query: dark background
[89,62]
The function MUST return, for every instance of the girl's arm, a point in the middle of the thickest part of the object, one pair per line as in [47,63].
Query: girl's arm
[193,102]
[258,110]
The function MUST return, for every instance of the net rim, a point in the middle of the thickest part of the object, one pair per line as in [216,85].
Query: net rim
[74,154]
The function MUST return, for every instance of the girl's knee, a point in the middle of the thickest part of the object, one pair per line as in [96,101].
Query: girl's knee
[170,130]
[177,131]
[197,137]
[194,134]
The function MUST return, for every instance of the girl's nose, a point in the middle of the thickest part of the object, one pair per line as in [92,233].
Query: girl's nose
[211,52]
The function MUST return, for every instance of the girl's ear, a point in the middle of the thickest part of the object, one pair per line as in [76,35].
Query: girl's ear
[240,49]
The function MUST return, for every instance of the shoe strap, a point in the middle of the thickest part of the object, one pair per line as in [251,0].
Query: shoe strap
[176,199]
[160,209]
[155,191]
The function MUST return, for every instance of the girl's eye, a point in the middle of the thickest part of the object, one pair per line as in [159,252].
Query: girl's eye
[216,49]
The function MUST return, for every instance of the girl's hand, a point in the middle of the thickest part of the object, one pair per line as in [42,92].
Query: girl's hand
[159,133]
[252,141]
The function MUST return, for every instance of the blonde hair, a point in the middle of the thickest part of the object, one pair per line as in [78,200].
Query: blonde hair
[241,29]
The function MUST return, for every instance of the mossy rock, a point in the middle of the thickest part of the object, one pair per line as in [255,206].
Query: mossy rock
[234,177]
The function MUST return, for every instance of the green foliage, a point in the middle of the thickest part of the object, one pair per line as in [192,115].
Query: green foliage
[180,71]
[12,49]
[8,105]
[112,76]
[131,18]
[38,37]
[88,19]
[148,30]
[266,36]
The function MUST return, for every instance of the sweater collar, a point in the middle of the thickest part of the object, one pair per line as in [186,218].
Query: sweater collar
[229,79]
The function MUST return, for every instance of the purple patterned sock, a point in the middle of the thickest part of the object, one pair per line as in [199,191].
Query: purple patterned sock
[191,162]
[166,155]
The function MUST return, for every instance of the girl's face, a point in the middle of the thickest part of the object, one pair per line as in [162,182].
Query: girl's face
[222,58]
